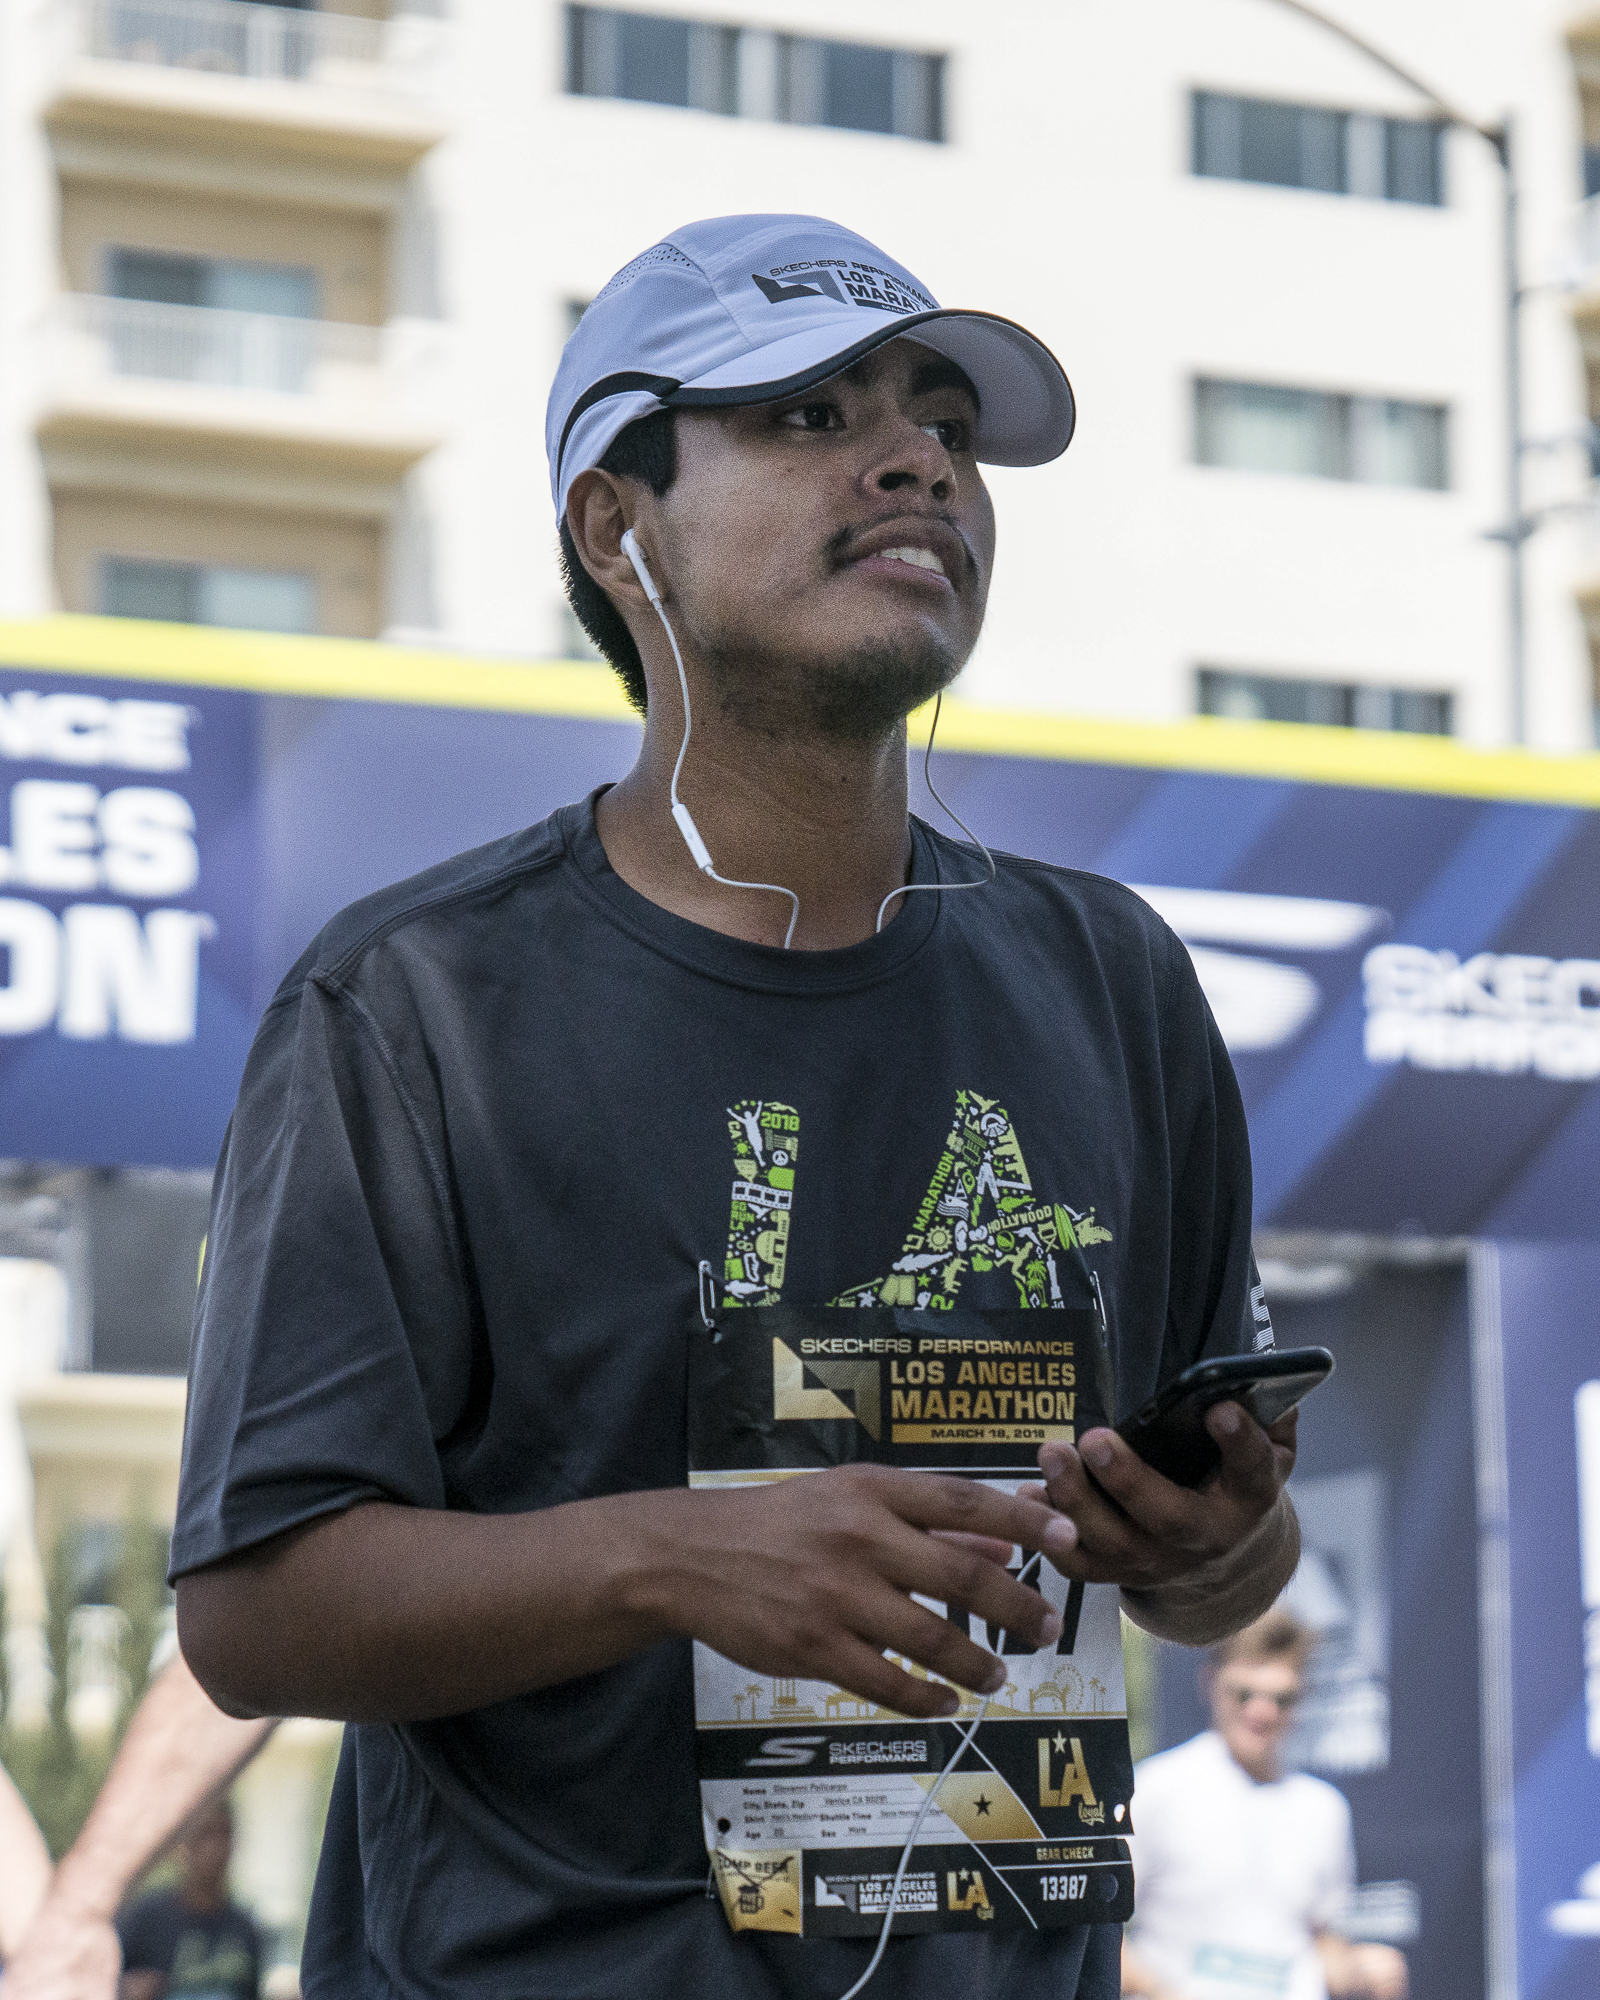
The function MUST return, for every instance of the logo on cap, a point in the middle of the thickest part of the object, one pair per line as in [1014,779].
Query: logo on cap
[850,281]
[822,286]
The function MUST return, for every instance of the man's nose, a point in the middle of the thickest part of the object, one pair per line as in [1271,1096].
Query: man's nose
[915,459]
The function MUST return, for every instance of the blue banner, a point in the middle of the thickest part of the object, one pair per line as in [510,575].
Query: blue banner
[128,918]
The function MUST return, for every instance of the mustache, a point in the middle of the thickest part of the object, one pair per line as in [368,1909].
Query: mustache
[838,546]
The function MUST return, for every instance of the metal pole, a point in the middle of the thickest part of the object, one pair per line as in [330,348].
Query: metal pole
[1516,530]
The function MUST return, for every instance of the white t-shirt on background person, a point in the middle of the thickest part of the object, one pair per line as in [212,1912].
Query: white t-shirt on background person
[1234,1878]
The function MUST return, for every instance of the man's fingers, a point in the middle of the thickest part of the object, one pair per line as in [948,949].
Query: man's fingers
[1249,1461]
[859,1670]
[987,1546]
[1118,1503]
[936,1643]
[935,1500]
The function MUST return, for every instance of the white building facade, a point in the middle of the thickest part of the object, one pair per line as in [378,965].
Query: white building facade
[282,290]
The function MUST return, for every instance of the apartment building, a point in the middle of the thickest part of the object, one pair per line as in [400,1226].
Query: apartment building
[282,288]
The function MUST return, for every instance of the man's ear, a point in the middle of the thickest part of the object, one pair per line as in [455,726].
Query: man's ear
[600,510]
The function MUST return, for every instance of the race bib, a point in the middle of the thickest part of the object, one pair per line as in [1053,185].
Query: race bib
[809,1793]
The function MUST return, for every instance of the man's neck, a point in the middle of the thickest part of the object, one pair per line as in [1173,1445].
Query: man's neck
[1259,1770]
[823,818]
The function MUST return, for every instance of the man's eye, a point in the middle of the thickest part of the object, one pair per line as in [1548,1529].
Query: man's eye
[950,431]
[812,416]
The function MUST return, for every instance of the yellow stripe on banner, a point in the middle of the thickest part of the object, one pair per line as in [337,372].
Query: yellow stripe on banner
[362,670]
[331,669]
[1385,760]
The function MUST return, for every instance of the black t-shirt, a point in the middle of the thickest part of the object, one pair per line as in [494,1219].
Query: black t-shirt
[206,1955]
[484,1145]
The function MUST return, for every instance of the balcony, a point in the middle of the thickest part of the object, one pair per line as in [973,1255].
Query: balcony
[142,374]
[228,70]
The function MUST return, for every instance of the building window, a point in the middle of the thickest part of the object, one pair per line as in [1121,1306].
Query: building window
[1308,146]
[753,73]
[1262,427]
[210,319]
[225,284]
[1336,704]
[254,600]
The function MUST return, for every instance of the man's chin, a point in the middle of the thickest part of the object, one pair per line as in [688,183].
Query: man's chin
[852,695]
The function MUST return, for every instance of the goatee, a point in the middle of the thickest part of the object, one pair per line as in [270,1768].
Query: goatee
[852,697]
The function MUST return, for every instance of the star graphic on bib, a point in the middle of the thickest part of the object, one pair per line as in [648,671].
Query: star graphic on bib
[982,1804]
[1061,1745]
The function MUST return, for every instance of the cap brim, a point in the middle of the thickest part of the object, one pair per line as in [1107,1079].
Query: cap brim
[1026,409]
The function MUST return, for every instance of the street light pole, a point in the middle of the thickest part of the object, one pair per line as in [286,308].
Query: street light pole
[1517,528]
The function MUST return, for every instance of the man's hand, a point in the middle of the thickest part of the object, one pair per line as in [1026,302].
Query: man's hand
[1362,1971]
[395,1614]
[1194,1565]
[814,1576]
[69,1953]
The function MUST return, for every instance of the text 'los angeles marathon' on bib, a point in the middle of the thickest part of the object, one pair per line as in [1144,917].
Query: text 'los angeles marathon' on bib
[808,1792]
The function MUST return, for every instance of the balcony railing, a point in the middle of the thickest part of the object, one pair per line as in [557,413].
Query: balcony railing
[260,353]
[240,38]
[1582,262]
[313,384]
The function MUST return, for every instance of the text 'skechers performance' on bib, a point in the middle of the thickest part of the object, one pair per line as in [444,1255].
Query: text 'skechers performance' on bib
[808,1793]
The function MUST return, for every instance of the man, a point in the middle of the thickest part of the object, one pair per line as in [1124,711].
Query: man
[474,1254]
[1244,1872]
[194,1940]
[179,1753]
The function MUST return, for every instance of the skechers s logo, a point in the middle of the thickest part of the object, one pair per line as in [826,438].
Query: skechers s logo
[784,1752]
[821,284]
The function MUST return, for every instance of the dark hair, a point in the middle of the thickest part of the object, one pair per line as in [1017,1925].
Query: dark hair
[647,450]
[1276,1637]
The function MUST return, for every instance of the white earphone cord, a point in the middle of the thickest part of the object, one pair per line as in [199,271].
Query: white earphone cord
[680,812]
[911,888]
[962,1747]
[684,819]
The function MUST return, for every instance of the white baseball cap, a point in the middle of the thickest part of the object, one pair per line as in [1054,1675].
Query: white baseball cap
[748,308]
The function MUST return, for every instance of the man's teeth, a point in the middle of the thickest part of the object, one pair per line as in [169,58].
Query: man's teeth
[918,558]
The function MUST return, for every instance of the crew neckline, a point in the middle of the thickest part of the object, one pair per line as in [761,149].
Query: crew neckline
[735,961]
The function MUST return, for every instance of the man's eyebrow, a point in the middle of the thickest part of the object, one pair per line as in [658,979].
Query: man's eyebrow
[939,373]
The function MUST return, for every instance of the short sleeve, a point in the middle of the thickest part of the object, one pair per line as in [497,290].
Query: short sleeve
[1336,1869]
[146,1941]
[333,1341]
[1216,1305]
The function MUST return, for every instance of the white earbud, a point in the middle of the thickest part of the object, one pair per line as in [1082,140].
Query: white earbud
[641,569]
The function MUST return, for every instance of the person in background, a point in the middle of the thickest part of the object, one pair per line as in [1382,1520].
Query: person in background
[180,1751]
[24,1869]
[1244,1870]
[193,1941]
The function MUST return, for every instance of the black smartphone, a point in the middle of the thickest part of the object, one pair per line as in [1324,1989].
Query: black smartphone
[1170,1433]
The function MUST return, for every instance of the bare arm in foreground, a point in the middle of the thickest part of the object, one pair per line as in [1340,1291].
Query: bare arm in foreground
[179,1751]
[24,1868]
[386,1613]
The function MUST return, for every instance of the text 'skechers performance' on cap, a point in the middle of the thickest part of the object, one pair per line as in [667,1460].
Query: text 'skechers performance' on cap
[747,308]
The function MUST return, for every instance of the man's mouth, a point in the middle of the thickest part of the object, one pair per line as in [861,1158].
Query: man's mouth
[918,558]
[934,547]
